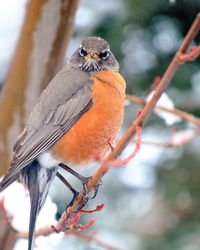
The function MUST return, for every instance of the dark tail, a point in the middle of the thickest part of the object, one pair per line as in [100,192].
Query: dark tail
[35,200]
[7,181]
[38,180]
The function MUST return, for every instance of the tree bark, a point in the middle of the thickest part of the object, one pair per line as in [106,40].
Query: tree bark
[39,55]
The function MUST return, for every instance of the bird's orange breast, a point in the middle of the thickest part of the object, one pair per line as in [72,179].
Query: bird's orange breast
[90,134]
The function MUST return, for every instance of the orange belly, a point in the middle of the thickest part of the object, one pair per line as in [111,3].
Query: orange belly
[89,135]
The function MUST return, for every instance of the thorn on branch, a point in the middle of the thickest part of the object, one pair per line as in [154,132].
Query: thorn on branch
[110,144]
[191,56]
[155,83]
[139,112]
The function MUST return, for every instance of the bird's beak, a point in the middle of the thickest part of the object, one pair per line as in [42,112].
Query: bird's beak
[92,55]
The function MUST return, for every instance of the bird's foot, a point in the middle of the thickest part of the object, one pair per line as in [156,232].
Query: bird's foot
[84,180]
[85,187]
[85,195]
[85,199]
[74,191]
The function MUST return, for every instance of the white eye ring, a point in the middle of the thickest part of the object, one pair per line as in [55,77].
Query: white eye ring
[82,52]
[104,54]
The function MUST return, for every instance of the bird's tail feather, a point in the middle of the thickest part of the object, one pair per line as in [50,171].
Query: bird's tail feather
[35,199]
[6,182]
[38,180]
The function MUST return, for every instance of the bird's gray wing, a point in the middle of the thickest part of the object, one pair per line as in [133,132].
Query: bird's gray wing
[60,105]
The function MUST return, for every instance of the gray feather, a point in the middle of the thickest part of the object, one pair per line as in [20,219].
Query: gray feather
[38,181]
[60,105]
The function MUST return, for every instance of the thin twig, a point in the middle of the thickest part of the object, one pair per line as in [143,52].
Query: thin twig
[182,114]
[170,144]
[91,238]
[13,235]
[161,144]
[45,231]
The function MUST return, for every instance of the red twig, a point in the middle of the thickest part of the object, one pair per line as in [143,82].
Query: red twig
[122,162]
[110,144]
[84,227]
[191,56]
[97,209]
[179,138]
[183,139]
[71,222]
[182,114]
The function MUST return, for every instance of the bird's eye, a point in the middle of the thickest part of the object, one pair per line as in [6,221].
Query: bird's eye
[104,54]
[82,52]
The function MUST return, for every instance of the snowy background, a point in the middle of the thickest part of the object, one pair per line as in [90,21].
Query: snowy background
[153,202]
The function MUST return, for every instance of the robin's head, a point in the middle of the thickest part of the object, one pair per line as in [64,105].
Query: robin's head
[94,54]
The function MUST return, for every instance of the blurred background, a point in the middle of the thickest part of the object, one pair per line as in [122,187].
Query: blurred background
[154,202]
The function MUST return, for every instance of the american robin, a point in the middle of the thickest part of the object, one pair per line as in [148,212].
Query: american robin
[81,108]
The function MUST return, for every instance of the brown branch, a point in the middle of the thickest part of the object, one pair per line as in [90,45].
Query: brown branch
[91,238]
[10,235]
[162,144]
[182,114]
[45,231]
[148,109]
[171,143]
[61,41]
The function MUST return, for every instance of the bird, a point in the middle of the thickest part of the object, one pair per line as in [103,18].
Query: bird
[79,111]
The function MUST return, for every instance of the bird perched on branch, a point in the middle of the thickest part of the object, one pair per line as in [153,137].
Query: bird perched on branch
[81,108]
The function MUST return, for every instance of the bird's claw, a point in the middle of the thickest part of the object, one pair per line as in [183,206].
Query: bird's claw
[85,196]
[96,189]
[85,188]
[75,194]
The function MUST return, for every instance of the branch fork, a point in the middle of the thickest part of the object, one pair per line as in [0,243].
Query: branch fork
[67,223]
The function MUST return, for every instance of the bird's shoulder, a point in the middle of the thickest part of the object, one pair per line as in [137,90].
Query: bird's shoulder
[64,100]
[63,87]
